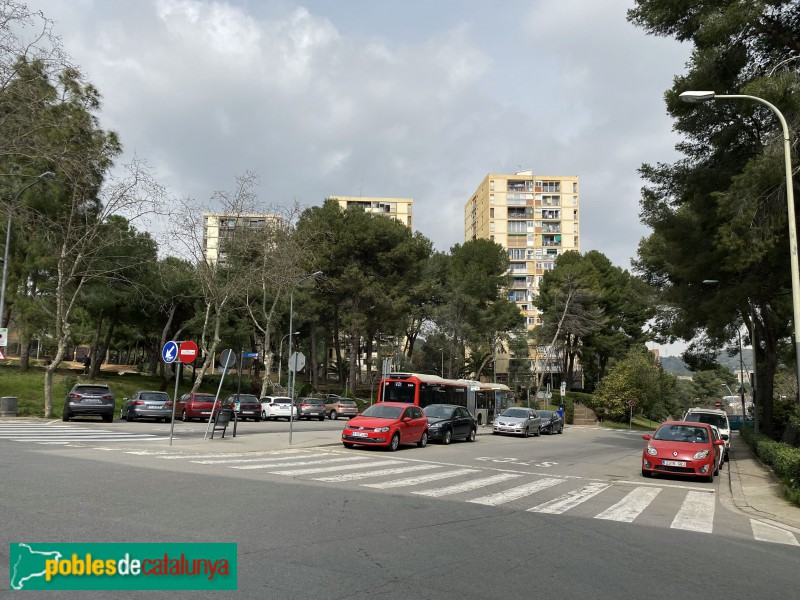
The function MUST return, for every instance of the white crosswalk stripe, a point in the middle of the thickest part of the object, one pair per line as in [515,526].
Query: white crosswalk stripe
[376,473]
[631,506]
[467,486]
[516,493]
[295,463]
[696,513]
[42,433]
[377,463]
[570,500]
[411,481]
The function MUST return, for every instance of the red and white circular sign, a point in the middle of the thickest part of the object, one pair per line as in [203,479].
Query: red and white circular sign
[187,352]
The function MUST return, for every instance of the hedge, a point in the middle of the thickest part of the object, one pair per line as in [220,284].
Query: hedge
[783,458]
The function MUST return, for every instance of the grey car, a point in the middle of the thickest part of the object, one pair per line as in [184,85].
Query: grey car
[311,408]
[517,420]
[146,404]
[89,399]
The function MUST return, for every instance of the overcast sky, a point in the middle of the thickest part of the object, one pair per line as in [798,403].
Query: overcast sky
[419,98]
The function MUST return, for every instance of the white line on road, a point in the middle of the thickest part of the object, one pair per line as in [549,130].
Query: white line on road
[769,533]
[516,493]
[378,473]
[696,513]
[631,506]
[295,463]
[417,480]
[377,463]
[467,486]
[570,500]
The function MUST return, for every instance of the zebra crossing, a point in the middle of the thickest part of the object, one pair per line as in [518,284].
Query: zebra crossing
[56,434]
[674,506]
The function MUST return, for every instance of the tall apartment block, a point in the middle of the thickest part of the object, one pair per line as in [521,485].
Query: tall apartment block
[217,226]
[399,208]
[535,218]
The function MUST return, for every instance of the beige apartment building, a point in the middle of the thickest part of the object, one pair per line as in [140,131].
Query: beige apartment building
[219,225]
[399,208]
[535,218]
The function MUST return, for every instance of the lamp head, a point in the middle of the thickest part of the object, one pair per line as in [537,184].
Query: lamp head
[694,96]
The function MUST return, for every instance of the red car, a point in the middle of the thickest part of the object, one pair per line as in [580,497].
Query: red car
[195,406]
[682,448]
[387,424]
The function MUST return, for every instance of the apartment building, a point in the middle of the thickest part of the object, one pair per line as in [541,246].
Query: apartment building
[218,225]
[535,218]
[399,208]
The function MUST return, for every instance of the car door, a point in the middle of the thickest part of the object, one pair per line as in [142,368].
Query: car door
[533,421]
[420,422]
[461,423]
[407,425]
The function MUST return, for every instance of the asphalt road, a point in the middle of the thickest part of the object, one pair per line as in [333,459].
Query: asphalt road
[305,532]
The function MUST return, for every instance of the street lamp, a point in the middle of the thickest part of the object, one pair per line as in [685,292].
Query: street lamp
[43,176]
[280,356]
[694,96]
[293,372]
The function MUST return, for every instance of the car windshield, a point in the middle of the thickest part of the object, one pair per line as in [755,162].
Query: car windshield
[681,433]
[545,414]
[709,418]
[519,413]
[154,397]
[381,411]
[92,390]
[439,411]
[282,400]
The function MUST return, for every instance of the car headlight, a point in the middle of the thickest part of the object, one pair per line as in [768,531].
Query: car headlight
[701,454]
[651,450]
[518,425]
[381,429]
[434,427]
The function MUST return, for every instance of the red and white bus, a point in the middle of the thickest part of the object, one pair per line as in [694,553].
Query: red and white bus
[481,399]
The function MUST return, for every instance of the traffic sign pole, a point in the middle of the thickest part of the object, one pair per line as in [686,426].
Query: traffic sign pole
[227,358]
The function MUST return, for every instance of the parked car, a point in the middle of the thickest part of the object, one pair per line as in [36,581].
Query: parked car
[715,435]
[89,399]
[194,405]
[682,448]
[245,406]
[311,408]
[550,422]
[448,422]
[736,422]
[517,420]
[387,424]
[340,407]
[712,416]
[277,407]
[146,404]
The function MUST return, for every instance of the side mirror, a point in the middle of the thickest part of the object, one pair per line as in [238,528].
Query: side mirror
[406,419]
[646,436]
[719,442]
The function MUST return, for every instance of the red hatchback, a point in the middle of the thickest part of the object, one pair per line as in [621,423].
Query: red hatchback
[195,406]
[682,448]
[387,424]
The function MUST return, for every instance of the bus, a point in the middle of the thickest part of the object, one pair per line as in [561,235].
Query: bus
[483,400]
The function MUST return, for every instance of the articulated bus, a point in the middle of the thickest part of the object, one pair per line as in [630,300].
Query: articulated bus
[483,400]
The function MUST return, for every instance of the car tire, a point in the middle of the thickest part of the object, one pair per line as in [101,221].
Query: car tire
[447,437]
[130,418]
[394,444]
[167,419]
[716,469]
[560,430]
[348,445]
[333,415]
[108,418]
[527,433]
[65,417]
[646,473]
[471,435]
[423,441]
[183,416]
[710,477]
[322,417]
[538,432]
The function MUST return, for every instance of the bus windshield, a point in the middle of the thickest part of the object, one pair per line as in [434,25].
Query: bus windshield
[398,391]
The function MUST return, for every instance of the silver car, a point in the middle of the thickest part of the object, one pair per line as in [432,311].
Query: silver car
[146,404]
[517,421]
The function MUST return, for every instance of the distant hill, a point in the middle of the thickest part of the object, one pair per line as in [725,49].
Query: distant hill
[676,366]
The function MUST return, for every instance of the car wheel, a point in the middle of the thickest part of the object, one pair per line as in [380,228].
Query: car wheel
[646,473]
[183,416]
[108,418]
[257,419]
[538,432]
[334,415]
[526,434]
[65,416]
[710,477]
[322,417]
[561,430]
[167,419]
[423,441]
[347,445]
[395,443]
[130,418]
[448,436]
[471,435]
[716,469]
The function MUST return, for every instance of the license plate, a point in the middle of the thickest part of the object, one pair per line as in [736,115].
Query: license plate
[247,412]
[205,412]
[673,463]
[92,400]
[360,434]
[154,407]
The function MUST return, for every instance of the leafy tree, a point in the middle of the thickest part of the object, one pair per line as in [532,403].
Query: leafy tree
[720,212]
[635,378]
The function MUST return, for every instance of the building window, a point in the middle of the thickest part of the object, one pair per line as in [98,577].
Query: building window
[491,185]
[516,253]
[491,213]
[491,226]
[574,187]
[491,198]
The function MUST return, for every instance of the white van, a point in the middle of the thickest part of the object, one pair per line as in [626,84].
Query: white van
[712,416]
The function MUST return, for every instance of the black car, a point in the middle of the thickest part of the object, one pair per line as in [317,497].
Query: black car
[89,399]
[245,406]
[447,422]
[551,422]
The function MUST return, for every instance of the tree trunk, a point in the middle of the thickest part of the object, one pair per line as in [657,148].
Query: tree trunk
[104,349]
[24,349]
[354,356]
[313,362]
[338,347]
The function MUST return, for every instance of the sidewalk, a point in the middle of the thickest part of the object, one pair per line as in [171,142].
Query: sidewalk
[756,490]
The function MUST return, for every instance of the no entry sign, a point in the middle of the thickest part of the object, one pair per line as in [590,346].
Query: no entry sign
[187,352]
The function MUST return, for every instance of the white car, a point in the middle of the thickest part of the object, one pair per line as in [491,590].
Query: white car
[277,407]
[712,416]
[717,436]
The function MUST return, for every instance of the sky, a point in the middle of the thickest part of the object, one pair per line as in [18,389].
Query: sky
[415,99]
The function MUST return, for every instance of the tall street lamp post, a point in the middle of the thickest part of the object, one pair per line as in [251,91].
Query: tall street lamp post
[42,177]
[280,356]
[694,96]
[293,372]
